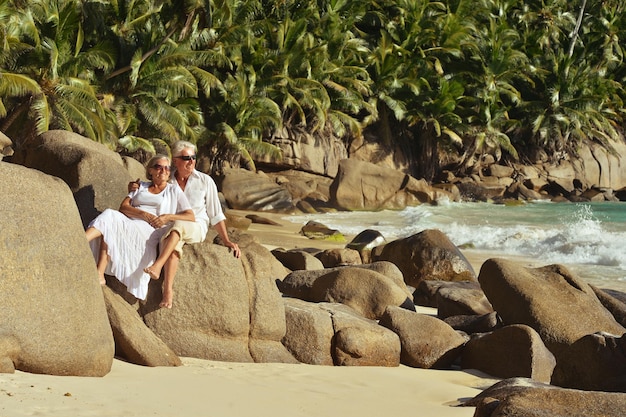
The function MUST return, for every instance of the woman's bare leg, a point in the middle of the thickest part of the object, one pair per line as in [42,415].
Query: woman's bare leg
[167,249]
[171,266]
[103,261]
[91,233]
[103,257]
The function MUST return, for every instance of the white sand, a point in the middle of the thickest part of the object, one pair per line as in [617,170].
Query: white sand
[208,388]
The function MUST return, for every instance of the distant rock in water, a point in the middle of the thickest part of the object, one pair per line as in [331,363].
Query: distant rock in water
[365,242]
[316,230]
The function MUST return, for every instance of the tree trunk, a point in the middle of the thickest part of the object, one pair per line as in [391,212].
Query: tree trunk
[427,153]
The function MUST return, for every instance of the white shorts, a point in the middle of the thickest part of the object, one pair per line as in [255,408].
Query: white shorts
[189,232]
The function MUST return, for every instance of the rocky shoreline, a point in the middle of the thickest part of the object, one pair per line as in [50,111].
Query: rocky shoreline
[314,303]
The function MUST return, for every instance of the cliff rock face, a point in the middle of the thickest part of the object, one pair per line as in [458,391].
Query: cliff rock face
[319,154]
[597,167]
[364,186]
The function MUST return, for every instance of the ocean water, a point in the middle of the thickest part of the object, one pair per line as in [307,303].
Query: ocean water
[589,238]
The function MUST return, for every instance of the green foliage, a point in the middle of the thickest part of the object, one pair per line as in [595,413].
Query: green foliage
[466,76]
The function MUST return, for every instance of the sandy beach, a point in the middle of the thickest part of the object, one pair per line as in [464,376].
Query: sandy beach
[210,388]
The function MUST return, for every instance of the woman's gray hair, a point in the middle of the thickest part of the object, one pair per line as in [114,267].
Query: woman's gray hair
[180,145]
[153,160]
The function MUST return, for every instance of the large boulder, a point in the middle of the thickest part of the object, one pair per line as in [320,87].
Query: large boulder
[225,308]
[362,185]
[359,341]
[331,258]
[298,284]
[247,190]
[365,242]
[210,318]
[598,167]
[97,176]
[134,341]
[427,342]
[54,319]
[428,255]
[528,398]
[548,299]
[596,362]
[511,351]
[309,335]
[335,334]
[366,291]
[461,299]
[561,177]
[267,312]
[475,324]
[297,259]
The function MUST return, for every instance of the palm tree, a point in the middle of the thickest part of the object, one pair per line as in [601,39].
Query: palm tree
[497,70]
[52,82]
[237,125]
[415,82]
[576,96]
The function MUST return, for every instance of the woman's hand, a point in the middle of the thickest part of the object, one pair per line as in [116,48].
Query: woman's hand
[149,218]
[159,221]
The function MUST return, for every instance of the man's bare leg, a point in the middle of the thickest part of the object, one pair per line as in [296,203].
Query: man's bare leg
[171,266]
[167,249]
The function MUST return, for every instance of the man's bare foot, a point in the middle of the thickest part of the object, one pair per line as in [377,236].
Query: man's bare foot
[168,296]
[153,272]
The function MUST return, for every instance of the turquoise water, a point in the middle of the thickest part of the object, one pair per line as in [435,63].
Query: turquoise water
[590,238]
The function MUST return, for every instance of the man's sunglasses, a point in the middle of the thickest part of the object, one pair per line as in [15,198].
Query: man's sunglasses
[187,157]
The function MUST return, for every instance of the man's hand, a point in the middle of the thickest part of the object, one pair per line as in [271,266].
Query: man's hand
[133,185]
[235,248]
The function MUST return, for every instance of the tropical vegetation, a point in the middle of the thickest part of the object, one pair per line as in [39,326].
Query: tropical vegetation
[464,77]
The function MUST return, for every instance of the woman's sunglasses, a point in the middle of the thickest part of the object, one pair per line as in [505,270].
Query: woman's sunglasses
[187,157]
[161,167]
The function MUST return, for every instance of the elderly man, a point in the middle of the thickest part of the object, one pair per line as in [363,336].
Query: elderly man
[201,191]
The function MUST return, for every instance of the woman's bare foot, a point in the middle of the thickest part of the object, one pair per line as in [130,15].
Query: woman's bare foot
[101,279]
[153,272]
[168,296]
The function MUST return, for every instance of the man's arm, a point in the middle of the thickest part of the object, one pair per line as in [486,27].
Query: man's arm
[220,227]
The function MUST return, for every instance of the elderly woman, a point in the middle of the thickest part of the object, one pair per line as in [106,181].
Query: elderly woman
[129,237]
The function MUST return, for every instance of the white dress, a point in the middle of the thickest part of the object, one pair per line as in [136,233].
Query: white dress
[132,243]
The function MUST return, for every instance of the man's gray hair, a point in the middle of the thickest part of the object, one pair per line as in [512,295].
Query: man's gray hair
[180,145]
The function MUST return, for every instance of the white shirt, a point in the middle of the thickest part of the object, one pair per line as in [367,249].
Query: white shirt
[201,192]
[169,201]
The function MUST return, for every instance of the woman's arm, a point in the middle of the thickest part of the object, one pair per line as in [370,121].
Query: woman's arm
[181,215]
[134,213]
